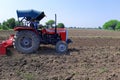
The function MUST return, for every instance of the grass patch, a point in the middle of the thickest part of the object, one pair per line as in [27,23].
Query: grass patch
[26,76]
[103,70]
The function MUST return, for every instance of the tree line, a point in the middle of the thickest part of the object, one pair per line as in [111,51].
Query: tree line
[11,23]
[50,23]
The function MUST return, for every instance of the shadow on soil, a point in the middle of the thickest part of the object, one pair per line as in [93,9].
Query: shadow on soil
[44,50]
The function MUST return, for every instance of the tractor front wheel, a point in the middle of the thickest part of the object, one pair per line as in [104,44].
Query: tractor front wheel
[61,47]
[26,41]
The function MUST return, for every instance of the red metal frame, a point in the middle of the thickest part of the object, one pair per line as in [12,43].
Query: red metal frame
[2,49]
[60,31]
[5,44]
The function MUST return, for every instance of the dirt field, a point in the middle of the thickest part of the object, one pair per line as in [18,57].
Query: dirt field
[93,55]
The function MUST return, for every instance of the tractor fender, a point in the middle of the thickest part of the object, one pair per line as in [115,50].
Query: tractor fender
[19,28]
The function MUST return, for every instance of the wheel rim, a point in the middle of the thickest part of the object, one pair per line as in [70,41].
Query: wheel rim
[62,47]
[26,42]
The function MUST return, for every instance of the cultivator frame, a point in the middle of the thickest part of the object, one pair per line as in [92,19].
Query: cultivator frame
[6,44]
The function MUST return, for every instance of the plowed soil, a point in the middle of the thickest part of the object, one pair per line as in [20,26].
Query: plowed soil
[93,55]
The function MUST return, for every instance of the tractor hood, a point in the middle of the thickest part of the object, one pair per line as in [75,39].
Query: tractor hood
[30,14]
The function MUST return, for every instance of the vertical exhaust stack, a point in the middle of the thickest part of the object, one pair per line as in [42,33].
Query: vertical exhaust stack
[55,24]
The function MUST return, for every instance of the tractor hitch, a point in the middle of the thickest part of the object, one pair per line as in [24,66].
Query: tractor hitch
[69,41]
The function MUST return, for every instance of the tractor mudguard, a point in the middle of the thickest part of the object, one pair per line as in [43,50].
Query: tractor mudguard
[17,28]
[20,28]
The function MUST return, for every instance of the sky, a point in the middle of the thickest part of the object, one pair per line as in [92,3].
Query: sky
[79,13]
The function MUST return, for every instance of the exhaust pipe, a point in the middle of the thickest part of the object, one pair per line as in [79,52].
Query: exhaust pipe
[55,24]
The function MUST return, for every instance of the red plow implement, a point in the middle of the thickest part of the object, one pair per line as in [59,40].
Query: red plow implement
[5,44]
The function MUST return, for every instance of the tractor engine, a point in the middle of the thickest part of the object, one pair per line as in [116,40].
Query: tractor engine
[49,37]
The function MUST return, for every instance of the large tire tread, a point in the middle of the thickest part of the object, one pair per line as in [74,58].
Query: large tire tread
[28,33]
[57,47]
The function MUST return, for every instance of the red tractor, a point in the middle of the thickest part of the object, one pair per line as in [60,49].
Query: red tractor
[28,37]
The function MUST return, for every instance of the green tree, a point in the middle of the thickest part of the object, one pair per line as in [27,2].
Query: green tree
[110,24]
[17,23]
[4,26]
[11,23]
[46,24]
[50,23]
[99,27]
[118,26]
[0,26]
[5,23]
[61,25]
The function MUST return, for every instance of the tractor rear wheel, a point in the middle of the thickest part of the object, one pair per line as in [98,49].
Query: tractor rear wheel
[26,41]
[61,47]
